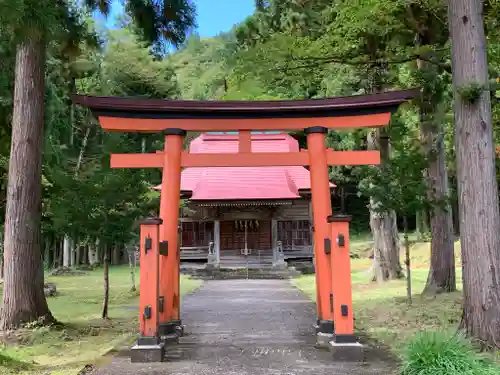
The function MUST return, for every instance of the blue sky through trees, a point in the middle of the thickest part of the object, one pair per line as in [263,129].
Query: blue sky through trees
[213,16]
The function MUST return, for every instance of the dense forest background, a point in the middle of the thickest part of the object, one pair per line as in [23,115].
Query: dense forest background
[288,49]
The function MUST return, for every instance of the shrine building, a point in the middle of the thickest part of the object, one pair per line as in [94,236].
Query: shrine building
[236,216]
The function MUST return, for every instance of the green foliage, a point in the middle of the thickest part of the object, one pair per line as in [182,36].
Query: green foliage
[471,92]
[440,353]
[131,70]
[398,186]
[202,67]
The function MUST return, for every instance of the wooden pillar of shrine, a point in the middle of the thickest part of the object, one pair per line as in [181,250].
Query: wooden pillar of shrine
[322,208]
[217,240]
[342,289]
[149,347]
[170,321]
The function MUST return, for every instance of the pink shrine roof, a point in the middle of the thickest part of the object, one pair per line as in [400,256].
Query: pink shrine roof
[244,183]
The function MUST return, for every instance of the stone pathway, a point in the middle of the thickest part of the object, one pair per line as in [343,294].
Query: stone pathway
[247,327]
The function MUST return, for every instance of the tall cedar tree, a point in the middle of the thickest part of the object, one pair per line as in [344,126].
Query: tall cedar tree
[34,24]
[477,183]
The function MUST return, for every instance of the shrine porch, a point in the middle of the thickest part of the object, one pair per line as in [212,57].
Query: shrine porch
[246,232]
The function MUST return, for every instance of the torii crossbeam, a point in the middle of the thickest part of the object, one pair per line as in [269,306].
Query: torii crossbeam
[175,117]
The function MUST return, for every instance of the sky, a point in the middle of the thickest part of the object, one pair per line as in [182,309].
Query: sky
[213,16]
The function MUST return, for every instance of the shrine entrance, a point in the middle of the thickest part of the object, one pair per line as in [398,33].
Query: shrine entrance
[160,318]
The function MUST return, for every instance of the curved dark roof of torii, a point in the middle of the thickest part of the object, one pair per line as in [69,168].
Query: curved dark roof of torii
[188,109]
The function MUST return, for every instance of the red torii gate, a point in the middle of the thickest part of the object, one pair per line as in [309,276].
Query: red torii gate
[159,302]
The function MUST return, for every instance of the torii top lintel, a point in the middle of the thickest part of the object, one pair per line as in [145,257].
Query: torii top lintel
[154,115]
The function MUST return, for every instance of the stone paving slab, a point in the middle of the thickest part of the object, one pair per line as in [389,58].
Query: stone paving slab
[243,327]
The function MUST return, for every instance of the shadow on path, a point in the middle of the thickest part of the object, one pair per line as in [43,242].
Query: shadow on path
[243,327]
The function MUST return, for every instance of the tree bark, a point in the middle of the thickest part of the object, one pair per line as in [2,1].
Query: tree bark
[93,256]
[23,297]
[105,303]
[131,253]
[442,272]
[49,252]
[77,254]
[386,263]
[476,173]
[407,260]
[115,257]
[61,254]
[66,252]
[85,255]
[57,250]
[1,255]
[422,224]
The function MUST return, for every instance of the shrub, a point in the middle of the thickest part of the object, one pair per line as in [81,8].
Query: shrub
[439,353]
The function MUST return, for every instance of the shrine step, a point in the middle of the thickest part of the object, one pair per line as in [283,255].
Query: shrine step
[222,273]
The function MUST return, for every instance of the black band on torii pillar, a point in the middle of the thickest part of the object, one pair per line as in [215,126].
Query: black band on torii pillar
[150,221]
[169,327]
[315,129]
[174,131]
[325,326]
[345,339]
[339,218]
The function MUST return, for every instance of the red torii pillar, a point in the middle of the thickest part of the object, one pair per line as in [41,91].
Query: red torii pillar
[149,347]
[344,337]
[170,320]
[322,208]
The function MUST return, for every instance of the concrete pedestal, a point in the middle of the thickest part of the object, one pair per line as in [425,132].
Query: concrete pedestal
[212,261]
[280,264]
[180,330]
[324,326]
[147,349]
[279,259]
[171,331]
[346,348]
[347,352]
[323,339]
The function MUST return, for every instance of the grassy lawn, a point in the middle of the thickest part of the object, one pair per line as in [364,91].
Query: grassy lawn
[382,311]
[85,337]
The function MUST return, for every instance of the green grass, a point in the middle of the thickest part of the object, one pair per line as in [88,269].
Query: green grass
[85,338]
[382,311]
[445,353]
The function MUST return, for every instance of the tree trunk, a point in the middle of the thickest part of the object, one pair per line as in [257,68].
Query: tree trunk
[131,251]
[66,252]
[78,255]
[49,251]
[115,257]
[72,251]
[93,245]
[386,263]
[23,297]
[342,200]
[476,173]
[106,284]
[1,255]
[441,277]
[57,250]
[418,226]
[422,225]
[61,254]
[85,255]
[407,260]
[456,218]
